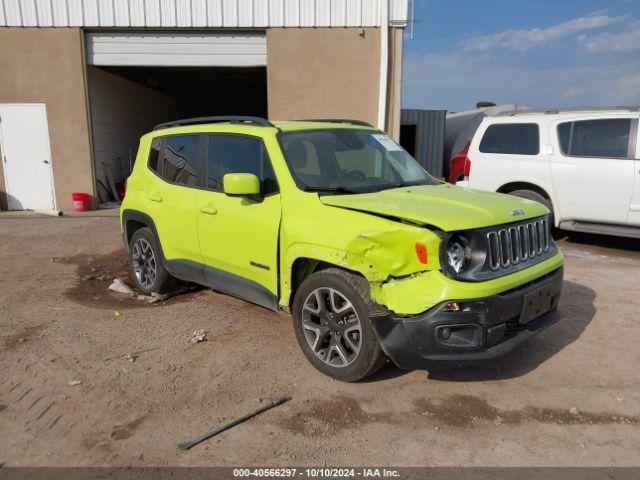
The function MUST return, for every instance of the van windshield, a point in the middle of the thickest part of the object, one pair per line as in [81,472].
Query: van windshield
[350,161]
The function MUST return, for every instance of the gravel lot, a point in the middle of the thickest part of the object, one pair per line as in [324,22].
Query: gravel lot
[571,396]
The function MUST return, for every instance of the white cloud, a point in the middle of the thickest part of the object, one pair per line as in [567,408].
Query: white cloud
[627,41]
[457,81]
[574,92]
[522,40]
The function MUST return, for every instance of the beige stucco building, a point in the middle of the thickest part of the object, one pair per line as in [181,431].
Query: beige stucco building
[81,80]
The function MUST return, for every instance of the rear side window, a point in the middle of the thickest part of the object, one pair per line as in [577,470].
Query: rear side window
[511,139]
[154,154]
[239,154]
[180,160]
[608,138]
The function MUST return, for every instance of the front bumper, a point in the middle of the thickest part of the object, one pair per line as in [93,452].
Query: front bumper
[498,323]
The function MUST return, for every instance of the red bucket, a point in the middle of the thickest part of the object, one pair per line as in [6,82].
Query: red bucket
[80,202]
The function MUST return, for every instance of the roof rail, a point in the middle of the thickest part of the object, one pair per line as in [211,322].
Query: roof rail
[337,120]
[254,121]
[550,111]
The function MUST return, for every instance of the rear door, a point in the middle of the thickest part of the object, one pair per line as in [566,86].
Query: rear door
[239,236]
[592,170]
[634,208]
[172,198]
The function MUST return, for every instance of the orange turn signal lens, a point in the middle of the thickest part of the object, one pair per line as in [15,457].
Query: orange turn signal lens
[421,251]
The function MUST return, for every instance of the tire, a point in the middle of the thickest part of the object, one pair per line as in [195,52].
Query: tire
[335,341]
[149,272]
[536,197]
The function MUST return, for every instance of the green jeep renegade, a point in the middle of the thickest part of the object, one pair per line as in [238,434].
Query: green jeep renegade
[335,223]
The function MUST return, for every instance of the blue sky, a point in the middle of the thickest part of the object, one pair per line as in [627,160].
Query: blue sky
[541,53]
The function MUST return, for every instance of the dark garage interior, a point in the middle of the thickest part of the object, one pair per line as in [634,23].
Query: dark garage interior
[128,101]
[204,91]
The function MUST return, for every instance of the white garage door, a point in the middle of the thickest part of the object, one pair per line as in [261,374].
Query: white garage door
[177,49]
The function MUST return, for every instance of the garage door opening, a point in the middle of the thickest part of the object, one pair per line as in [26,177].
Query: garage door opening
[127,102]
[137,80]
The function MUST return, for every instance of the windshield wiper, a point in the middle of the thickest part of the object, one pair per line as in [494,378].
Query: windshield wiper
[336,189]
[400,185]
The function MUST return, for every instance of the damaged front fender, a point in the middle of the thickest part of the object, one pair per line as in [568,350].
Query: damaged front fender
[378,256]
[393,253]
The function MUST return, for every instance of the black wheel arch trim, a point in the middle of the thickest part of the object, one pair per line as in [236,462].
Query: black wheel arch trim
[137,216]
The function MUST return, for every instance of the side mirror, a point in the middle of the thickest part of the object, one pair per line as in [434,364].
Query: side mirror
[241,184]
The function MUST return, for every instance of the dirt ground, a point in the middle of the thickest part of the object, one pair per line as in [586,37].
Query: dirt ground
[569,397]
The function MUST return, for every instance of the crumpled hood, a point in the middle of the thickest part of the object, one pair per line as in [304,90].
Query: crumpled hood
[444,206]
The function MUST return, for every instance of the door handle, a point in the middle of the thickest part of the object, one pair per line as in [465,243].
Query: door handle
[208,209]
[154,197]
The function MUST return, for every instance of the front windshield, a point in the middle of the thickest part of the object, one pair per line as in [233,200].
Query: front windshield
[350,161]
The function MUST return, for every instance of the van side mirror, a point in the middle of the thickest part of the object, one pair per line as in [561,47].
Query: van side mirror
[241,184]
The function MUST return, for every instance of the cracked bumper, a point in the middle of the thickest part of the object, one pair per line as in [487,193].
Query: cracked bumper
[499,324]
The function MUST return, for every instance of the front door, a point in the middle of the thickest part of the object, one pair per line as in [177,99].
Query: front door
[238,235]
[591,170]
[26,157]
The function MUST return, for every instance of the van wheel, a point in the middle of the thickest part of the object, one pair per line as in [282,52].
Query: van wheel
[331,312]
[536,197]
[147,264]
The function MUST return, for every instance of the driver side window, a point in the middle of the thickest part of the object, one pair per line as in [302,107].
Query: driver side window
[238,154]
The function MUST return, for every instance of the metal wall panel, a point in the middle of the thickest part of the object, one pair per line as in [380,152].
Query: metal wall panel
[430,126]
[177,49]
[90,13]
[199,13]
[76,13]
[44,16]
[29,13]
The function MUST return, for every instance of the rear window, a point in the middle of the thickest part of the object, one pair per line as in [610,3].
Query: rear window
[608,138]
[511,139]
[180,160]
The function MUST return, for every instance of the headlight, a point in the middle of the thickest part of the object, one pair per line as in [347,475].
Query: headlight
[458,253]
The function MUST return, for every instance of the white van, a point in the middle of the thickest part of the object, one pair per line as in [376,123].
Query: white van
[583,164]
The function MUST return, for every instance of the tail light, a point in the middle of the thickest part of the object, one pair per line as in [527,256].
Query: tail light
[460,165]
[467,160]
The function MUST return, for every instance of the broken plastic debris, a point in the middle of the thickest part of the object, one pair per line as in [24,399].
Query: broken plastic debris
[73,383]
[199,336]
[155,297]
[116,314]
[120,287]
[131,357]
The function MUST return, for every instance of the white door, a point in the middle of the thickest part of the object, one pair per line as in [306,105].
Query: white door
[591,169]
[634,208]
[26,156]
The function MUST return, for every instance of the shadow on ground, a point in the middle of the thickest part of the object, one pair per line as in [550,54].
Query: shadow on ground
[621,244]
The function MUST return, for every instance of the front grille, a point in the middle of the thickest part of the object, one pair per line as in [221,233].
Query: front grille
[518,243]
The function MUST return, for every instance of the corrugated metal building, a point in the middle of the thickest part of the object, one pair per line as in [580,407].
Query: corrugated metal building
[200,13]
[422,134]
[96,74]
